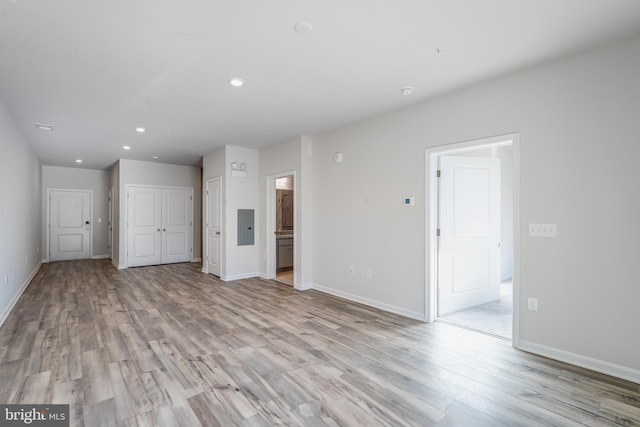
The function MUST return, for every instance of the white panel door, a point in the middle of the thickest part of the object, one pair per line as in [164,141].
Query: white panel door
[176,225]
[144,225]
[469,243]
[69,225]
[214,221]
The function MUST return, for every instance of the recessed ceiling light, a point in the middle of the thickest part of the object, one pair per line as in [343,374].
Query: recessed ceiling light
[407,90]
[126,147]
[140,130]
[155,157]
[78,160]
[236,82]
[43,126]
[303,28]
[438,50]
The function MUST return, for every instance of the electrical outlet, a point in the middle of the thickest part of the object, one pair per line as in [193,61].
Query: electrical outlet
[533,304]
[352,270]
[369,273]
[542,230]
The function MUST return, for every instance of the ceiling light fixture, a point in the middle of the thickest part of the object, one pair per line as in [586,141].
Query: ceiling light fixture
[126,147]
[140,129]
[236,82]
[303,28]
[438,50]
[78,160]
[43,126]
[407,90]
[155,157]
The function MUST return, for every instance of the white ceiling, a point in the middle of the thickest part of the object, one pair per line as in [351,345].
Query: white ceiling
[95,70]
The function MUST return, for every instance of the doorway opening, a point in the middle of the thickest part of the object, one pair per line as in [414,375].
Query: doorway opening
[472,223]
[284,229]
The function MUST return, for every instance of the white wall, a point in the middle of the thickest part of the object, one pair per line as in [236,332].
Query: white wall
[237,262]
[133,172]
[20,207]
[97,181]
[293,156]
[579,127]
[241,193]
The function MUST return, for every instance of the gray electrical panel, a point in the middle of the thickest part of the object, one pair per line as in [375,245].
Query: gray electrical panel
[245,227]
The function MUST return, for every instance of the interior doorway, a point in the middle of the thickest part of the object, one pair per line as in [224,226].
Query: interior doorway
[284,228]
[472,193]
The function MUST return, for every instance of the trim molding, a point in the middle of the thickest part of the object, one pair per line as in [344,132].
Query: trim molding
[17,296]
[106,256]
[581,361]
[239,277]
[371,303]
[116,265]
[196,260]
[304,286]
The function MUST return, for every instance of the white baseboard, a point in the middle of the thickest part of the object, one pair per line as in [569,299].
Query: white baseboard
[239,277]
[303,286]
[196,260]
[100,256]
[371,303]
[17,296]
[116,265]
[582,361]
[263,276]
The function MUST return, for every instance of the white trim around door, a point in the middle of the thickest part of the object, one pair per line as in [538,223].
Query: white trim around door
[270,229]
[431,226]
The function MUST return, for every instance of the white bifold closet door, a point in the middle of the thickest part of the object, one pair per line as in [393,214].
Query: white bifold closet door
[159,225]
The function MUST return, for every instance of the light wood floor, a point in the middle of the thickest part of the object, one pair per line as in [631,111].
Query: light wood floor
[169,346]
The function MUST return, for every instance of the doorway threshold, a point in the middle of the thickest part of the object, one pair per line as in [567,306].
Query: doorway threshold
[494,318]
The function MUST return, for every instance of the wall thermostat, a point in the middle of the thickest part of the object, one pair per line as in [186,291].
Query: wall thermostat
[409,201]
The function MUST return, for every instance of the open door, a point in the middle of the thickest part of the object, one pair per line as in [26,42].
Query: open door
[469,224]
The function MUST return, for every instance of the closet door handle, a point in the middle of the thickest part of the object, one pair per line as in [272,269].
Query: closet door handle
[158,230]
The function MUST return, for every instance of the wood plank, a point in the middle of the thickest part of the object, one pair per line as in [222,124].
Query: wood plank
[168,345]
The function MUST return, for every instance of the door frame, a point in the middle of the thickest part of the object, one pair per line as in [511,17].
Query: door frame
[110,224]
[270,228]
[48,231]
[431,217]
[205,262]
[125,226]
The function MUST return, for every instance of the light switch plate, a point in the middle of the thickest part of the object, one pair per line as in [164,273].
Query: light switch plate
[542,230]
